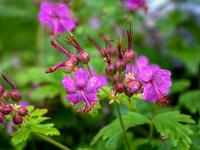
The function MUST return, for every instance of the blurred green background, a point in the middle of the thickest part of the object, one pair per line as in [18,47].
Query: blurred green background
[168,34]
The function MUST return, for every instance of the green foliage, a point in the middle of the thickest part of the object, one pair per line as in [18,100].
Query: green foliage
[190,100]
[33,123]
[174,125]
[179,86]
[113,132]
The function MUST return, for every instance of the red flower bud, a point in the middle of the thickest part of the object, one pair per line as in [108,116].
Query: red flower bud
[23,111]
[119,87]
[128,92]
[84,57]
[15,95]
[135,86]
[2,117]
[17,119]
[70,64]
[5,96]
[120,65]
[110,69]
[1,90]
[6,109]
[129,56]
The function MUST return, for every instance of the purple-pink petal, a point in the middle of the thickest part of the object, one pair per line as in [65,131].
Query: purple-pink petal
[150,93]
[61,10]
[68,23]
[46,7]
[75,97]
[56,16]
[93,84]
[81,77]
[68,84]
[162,80]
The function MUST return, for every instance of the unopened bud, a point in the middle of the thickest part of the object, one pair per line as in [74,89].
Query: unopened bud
[2,117]
[15,95]
[135,86]
[5,95]
[119,87]
[84,57]
[1,90]
[6,109]
[17,119]
[120,65]
[128,92]
[129,56]
[23,111]
[110,69]
[70,65]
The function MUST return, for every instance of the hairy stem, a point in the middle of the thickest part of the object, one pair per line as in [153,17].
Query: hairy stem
[122,125]
[53,142]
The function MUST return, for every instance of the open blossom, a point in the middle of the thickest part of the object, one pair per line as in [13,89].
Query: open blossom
[82,89]
[156,82]
[56,16]
[134,5]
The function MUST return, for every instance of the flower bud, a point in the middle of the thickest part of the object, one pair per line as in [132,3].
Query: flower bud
[23,111]
[120,65]
[5,95]
[119,87]
[84,57]
[1,90]
[2,117]
[129,56]
[128,92]
[15,95]
[110,69]
[6,109]
[135,86]
[70,64]
[17,119]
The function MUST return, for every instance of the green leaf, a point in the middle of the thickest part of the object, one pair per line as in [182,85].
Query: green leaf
[179,86]
[112,132]
[46,129]
[38,112]
[20,136]
[43,92]
[128,102]
[174,125]
[33,124]
[104,93]
[191,100]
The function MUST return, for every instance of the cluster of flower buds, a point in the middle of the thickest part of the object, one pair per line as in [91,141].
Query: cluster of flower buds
[116,61]
[140,76]
[17,112]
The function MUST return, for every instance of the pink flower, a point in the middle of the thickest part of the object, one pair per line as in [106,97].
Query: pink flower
[82,89]
[156,82]
[56,16]
[134,5]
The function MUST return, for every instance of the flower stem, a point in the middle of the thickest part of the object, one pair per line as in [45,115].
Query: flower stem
[122,125]
[53,142]
[150,132]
